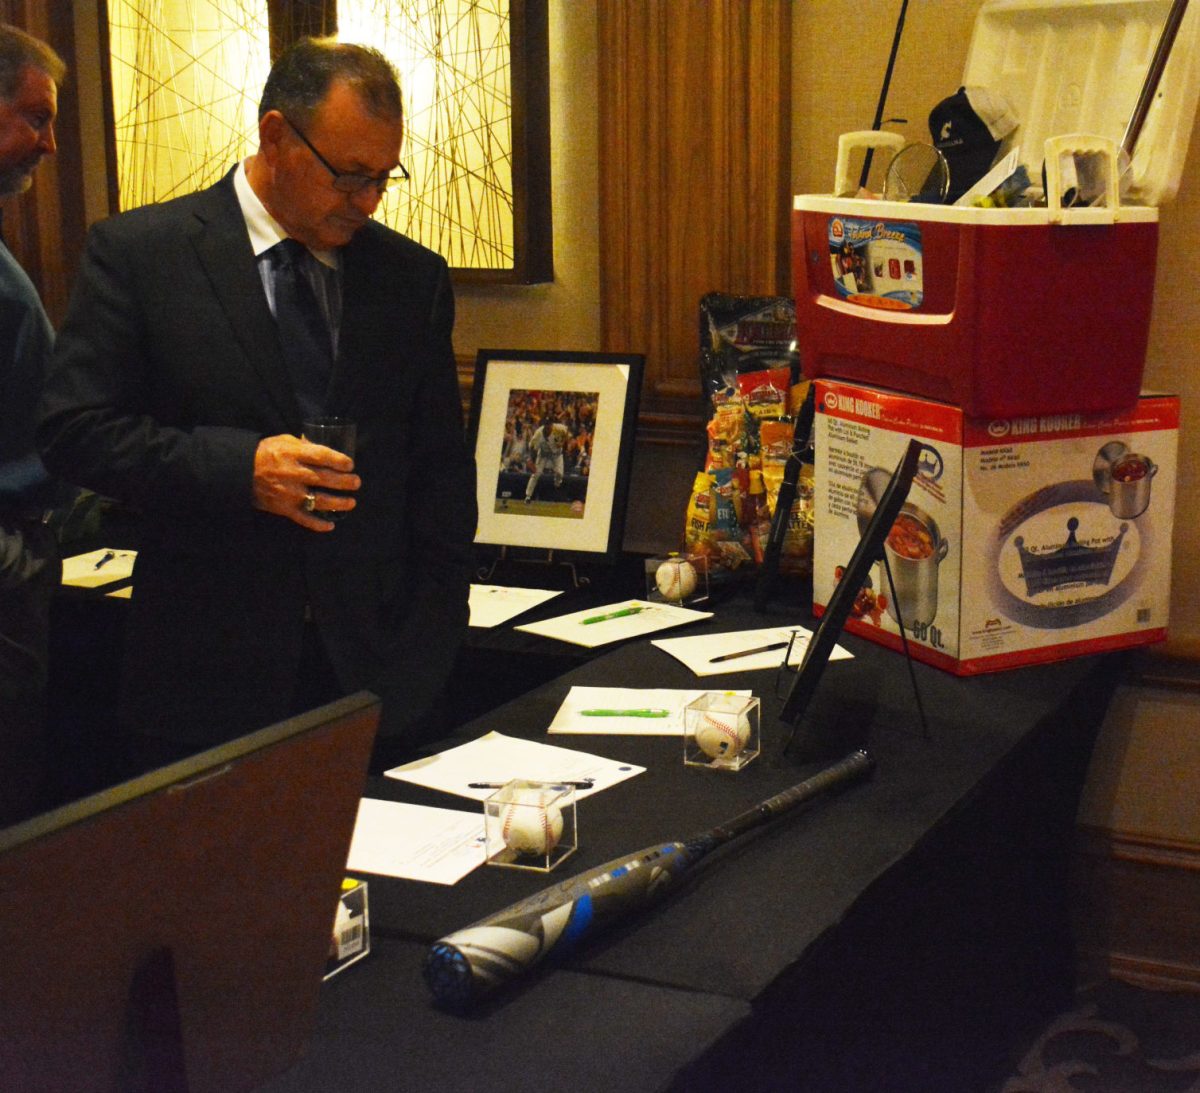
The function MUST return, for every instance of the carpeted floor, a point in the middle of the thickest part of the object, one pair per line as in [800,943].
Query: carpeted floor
[1115,1039]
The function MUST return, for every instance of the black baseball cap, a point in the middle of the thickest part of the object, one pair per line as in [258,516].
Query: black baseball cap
[968,128]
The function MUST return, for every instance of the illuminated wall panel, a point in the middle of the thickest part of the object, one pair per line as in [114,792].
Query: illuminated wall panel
[453,57]
[186,76]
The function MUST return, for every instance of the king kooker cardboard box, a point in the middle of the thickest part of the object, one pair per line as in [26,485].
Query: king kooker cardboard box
[1024,539]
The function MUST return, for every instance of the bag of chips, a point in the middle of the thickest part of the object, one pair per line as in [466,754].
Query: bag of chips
[713,531]
[795,554]
[745,334]
[750,372]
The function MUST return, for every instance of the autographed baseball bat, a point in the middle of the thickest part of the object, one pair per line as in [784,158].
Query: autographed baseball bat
[471,963]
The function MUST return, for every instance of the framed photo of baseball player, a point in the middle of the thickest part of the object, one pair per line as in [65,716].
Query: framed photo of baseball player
[553,437]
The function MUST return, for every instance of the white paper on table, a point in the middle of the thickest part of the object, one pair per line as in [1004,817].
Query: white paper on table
[494,604]
[417,842]
[697,652]
[125,593]
[81,571]
[498,759]
[571,718]
[644,618]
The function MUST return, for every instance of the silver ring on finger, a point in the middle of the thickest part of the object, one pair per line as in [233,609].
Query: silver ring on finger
[310,501]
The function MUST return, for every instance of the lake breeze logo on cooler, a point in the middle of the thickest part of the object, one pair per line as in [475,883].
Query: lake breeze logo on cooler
[864,231]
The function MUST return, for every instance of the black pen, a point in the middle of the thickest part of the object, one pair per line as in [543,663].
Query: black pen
[108,557]
[749,652]
[588,784]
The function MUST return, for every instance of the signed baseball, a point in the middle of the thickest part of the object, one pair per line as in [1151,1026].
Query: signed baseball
[722,735]
[676,579]
[531,828]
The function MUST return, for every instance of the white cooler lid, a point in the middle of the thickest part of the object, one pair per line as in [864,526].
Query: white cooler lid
[1077,66]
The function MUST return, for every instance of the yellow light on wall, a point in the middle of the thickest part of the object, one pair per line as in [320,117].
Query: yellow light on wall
[186,78]
[454,63]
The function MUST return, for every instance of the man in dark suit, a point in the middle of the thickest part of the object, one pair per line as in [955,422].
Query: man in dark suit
[183,373]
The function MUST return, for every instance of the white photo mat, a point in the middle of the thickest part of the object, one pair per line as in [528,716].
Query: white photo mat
[610,382]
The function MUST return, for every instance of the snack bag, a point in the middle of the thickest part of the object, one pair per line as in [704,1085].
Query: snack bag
[795,555]
[766,392]
[726,437]
[749,369]
[745,334]
[712,530]
[777,446]
[760,516]
[727,531]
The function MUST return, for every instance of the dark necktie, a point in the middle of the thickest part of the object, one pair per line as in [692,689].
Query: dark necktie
[302,330]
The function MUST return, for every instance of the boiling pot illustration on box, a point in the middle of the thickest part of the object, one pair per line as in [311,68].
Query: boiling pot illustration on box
[1123,477]
[1064,577]
[914,549]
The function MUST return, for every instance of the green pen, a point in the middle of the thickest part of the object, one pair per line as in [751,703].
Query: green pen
[612,615]
[625,713]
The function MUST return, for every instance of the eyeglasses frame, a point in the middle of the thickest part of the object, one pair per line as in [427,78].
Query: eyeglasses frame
[347,182]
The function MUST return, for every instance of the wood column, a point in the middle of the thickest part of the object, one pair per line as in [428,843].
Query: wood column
[694,119]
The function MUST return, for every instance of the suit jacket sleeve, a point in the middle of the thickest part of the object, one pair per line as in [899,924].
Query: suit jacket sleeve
[111,418]
[431,611]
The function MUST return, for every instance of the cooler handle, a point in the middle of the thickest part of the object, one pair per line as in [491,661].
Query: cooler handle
[1099,181]
[843,185]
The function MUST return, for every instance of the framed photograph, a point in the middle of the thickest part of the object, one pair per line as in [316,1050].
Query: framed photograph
[553,437]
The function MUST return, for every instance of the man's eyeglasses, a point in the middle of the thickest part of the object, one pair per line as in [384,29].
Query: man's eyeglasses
[349,183]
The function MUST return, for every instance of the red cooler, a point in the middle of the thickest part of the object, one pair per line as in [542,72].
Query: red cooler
[1014,311]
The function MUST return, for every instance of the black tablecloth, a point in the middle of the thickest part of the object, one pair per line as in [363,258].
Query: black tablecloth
[896,931]
[377,1032]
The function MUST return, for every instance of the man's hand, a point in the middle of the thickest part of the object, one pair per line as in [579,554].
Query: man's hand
[288,470]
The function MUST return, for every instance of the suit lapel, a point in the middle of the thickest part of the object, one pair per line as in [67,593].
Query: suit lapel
[364,312]
[223,247]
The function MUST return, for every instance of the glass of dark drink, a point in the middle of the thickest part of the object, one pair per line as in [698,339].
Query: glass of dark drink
[338,433]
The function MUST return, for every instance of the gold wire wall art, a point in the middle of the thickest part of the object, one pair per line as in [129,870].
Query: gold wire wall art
[185,83]
[186,76]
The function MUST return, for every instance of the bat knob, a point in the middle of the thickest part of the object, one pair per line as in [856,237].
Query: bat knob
[449,976]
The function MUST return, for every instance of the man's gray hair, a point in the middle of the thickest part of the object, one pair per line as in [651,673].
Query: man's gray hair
[17,50]
[303,74]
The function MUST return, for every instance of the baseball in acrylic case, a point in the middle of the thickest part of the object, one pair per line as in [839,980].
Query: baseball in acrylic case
[721,731]
[530,825]
[677,578]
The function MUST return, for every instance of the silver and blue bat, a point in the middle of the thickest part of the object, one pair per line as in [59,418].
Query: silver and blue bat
[471,963]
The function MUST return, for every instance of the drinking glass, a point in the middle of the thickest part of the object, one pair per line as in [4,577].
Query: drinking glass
[338,433]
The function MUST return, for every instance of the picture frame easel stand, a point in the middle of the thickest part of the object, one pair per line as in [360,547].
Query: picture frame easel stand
[578,580]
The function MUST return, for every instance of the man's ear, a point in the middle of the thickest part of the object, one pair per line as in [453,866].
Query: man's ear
[272,128]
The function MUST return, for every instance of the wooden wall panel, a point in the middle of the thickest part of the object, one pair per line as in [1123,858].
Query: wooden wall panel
[1137,903]
[695,141]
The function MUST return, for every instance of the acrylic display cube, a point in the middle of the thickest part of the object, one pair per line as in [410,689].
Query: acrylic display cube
[530,825]
[721,731]
[351,939]
[677,578]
